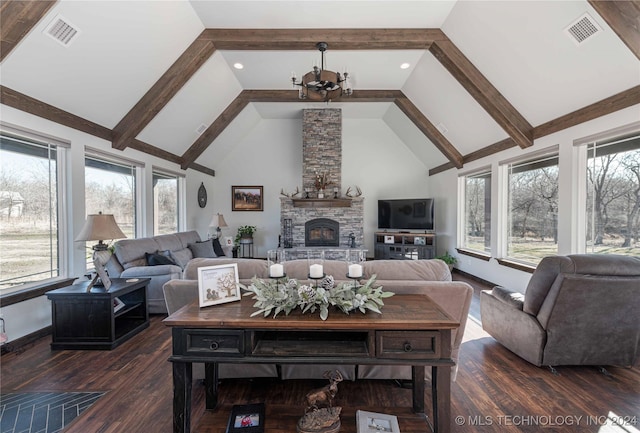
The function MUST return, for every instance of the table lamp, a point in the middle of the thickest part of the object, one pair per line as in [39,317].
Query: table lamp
[218,221]
[98,228]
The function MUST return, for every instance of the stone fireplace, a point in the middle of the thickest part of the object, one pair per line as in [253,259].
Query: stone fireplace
[322,223]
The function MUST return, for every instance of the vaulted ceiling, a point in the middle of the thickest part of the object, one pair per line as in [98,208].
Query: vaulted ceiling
[158,76]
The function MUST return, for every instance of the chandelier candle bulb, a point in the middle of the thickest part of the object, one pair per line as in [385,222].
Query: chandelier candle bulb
[355,270]
[316,271]
[276,270]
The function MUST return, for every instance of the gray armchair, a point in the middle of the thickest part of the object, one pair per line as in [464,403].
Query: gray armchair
[577,310]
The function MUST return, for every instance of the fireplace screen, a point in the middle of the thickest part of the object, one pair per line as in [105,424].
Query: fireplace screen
[322,232]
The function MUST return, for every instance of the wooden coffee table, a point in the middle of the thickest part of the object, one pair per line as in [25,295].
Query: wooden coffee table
[412,330]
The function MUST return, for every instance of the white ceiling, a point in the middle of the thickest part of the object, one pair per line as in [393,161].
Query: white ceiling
[125,47]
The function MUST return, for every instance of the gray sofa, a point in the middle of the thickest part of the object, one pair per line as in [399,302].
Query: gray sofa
[428,277]
[577,310]
[129,261]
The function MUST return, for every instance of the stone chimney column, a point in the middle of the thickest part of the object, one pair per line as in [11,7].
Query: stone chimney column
[322,147]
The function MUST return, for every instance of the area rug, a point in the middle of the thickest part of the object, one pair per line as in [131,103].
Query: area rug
[42,412]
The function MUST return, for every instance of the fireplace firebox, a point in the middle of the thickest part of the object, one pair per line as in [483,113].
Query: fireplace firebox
[322,232]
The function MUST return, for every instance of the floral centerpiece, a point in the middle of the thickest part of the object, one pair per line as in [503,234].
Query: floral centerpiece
[285,295]
[322,181]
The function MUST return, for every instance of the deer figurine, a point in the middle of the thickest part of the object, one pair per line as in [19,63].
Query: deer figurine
[323,397]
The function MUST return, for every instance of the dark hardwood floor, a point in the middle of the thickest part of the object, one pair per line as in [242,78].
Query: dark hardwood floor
[495,390]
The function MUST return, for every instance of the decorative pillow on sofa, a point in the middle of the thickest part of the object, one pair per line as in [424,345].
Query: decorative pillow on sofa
[156,259]
[217,248]
[182,257]
[202,249]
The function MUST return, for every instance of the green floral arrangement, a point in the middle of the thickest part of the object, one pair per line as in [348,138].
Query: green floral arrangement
[285,295]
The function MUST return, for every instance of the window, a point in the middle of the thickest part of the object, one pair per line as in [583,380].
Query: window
[613,196]
[110,188]
[476,212]
[165,203]
[532,209]
[29,187]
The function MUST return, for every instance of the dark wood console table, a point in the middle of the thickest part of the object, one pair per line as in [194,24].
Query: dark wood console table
[412,330]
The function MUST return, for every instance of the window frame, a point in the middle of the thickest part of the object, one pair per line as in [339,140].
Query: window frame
[462,205]
[504,219]
[181,197]
[64,240]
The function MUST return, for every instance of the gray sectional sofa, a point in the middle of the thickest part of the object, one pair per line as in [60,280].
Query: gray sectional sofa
[130,260]
[428,277]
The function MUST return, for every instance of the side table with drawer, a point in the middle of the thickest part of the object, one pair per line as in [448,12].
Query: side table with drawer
[88,320]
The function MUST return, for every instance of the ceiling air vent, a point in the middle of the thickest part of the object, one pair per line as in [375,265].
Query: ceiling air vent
[201,128]
[582,29]
[62,31]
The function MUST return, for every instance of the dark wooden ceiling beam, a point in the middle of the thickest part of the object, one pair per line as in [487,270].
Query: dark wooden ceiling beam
[601,108]
[161,92]
[430,131]
[214,130]
[17,18]
[483,92]
[624,18]
[617,102]
[30,105]
[292,96]
[38,108]
[338,39]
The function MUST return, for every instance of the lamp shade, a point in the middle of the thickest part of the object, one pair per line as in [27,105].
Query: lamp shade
[218,221]
[100,227]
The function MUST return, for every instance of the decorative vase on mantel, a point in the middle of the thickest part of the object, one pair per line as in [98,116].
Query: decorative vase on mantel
[320,193]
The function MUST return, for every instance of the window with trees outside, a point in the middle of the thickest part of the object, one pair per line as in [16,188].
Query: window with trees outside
[476,212]
[110,188]
[166,217]
[532,209]
[29,186]
[613,196]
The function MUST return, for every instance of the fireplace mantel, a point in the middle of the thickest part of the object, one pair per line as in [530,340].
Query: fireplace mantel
[321,202]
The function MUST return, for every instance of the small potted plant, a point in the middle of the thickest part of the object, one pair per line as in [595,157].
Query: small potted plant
[448,259]
[245,232]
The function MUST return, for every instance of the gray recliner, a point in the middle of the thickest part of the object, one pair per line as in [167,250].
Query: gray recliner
[577,310]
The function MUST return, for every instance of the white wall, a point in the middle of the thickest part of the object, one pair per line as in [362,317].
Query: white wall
[443,187]
[373,158]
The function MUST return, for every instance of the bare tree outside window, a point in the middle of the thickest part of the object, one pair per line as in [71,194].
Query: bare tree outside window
[477,213]
[613,197]
[28,212]
[165,204]
[533,210]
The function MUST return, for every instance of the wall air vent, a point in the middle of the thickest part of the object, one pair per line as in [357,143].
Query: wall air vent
[62,31]
[582,29]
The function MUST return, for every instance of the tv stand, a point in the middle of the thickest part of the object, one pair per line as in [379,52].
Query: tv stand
[404,245]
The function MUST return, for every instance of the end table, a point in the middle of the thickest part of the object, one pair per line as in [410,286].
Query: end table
[96,319]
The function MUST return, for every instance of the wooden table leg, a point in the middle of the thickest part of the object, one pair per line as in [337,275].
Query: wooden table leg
[182,376]
[417,376]
[441,394]
[211,384]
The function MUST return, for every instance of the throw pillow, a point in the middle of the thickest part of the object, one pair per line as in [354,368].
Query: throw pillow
[158,259]
[217,248]
[182,257]
[202,249]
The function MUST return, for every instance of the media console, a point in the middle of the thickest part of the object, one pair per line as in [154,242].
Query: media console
[404,245]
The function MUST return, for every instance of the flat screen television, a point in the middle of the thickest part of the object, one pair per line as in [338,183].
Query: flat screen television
[406,214]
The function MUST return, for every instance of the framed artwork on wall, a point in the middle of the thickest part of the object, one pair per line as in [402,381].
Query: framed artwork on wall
[247,198]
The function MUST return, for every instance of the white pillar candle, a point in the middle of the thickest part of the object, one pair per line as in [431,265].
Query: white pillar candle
[355,270]
[276,270]
[316,271]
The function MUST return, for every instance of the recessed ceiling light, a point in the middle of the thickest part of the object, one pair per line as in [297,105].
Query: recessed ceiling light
[238,65]
[405,66]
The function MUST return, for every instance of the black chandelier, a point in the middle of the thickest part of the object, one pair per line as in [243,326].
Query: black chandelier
[321,84]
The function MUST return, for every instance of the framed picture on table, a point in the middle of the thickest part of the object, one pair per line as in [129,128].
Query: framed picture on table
[218,284]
